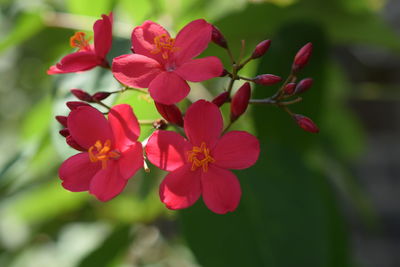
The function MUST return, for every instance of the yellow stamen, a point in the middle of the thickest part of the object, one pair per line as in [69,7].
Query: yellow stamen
[78,40]
[100,152]
[164,45]
[194,154]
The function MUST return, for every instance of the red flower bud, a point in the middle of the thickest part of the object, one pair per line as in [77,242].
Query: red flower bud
[302,57]
[81,95]
[306,123]
[64,132]
[170,112]
[267,79]
[303,85]
[100,96]
[218,38]
[62,120]
[240,101]
[289,88]
[261,49]
[74,104]
[72,143]
[220,99]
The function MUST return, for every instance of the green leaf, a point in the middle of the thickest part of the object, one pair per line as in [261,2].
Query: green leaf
[93,8]
[287,208]
[112,247]
[26,26]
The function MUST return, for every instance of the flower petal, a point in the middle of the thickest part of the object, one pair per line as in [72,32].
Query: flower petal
[167,150]
[203,123]
[181,188]
[201,69]
[168,88]
[236,150]
[75,62]
[77,172]
[108,182]
[102,29]
[143,39]
[124,125]
[192,40]
[221,190]
[131,160]
[135,70]
[88,125]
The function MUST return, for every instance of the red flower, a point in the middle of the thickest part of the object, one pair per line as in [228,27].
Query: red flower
[198,166]
[112,153]
[88,56]
[164,64]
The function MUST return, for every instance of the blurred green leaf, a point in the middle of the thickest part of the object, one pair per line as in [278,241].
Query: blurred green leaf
[93,8]
[286,208]
[26,26]
[112,247]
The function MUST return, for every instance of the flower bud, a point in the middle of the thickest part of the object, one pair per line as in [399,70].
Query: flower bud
[261,49]
[306,123]
[289,88]
[62,120]
[220,99]
[240,101]
[302,57]
[64,132]
[74,104]
[72,143]
[170,112]
[303,85]
[218,38]
[267,79]
[100,96]
[81,95]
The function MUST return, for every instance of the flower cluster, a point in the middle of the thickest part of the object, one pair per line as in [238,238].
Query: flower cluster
[198,162]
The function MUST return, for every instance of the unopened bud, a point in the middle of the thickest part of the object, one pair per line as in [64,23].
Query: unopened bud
[302,57]
[240,101]
[100,96]
[64,132]
[218,38]
[81,95]
[289,88]
[303,85]
[306,123]
[267,79]
[62,120]
[72,143]
[170,112]
[220,99]
[261,49]
[74,104]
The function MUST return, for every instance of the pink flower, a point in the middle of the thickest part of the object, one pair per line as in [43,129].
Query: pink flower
[88,56]
[164,64]
[199,165]
[111,153]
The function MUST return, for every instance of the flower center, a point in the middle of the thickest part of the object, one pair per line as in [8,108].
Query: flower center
[200,157]
[100,152]
[164,45]
[79,41]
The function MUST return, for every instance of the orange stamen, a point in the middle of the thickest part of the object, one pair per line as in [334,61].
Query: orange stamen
[164,45]
[100,152]
[78,40]
[193,156]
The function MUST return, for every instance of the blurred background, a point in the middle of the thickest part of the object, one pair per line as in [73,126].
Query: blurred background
[325,200]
